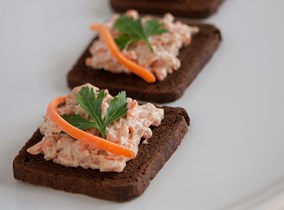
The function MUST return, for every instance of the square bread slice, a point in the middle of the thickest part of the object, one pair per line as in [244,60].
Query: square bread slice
[182,8]
[193,59]
[123,186]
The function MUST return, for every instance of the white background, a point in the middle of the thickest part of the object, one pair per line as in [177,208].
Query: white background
[232,158]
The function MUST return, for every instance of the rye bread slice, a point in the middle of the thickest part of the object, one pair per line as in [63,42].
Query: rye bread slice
[123,186]
[182,8]
[193,59]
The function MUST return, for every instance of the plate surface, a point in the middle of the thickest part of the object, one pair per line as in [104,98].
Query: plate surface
[232,156]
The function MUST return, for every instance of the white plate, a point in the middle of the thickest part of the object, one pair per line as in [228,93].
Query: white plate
[232,156]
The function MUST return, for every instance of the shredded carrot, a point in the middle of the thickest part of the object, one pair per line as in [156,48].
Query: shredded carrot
[129,64]
[82,135]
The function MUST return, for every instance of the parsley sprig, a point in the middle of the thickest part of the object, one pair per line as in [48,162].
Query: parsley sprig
[132,30]
[92,106]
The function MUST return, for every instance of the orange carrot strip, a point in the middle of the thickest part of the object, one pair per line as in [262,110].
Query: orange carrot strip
[83,136]
[129,64]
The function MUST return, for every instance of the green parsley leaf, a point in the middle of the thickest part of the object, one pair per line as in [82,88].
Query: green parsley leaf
[92,106]
[154,27]
[124,40]
[132,30]
[117,108]
[78,121]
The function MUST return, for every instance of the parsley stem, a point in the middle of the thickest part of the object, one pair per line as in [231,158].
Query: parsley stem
[149,45]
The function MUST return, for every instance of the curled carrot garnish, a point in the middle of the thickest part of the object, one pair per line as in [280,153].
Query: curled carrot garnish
[129,64]
[82,135]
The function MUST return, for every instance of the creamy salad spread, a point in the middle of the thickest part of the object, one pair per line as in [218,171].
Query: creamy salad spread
[126,131]
[161,61]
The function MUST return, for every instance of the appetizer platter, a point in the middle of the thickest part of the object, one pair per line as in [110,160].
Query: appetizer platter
[217,144]
[169,53]
[185,8]
[90,136]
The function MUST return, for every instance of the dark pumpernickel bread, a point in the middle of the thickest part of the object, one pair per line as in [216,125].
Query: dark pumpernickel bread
[107,185]
[193,58]
[184,8]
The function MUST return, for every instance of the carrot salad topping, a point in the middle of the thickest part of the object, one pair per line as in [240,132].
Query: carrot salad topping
[130,65]
[82,135]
